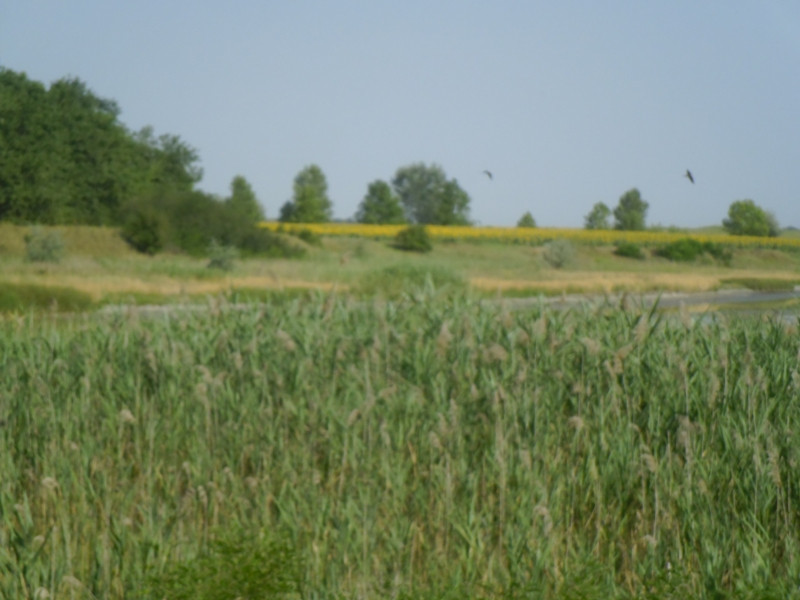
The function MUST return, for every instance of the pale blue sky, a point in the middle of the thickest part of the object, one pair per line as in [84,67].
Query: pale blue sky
[568,102]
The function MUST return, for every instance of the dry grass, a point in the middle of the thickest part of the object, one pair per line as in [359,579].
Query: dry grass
[606,282]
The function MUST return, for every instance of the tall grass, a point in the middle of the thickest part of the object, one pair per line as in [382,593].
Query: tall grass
[425,448]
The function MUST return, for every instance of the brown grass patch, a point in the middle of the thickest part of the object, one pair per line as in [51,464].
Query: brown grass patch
[604,282]
[99,287]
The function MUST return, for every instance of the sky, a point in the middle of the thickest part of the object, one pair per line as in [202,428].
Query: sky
[567,102]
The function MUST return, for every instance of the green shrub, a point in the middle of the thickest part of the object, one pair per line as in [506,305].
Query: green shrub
[689,249]
[559,253]
[629,250]
[189,221]
[413,238]
[308,236]
[221,256]
[683,250]
[263,242]
[44,246]
[143,229]
[719,252]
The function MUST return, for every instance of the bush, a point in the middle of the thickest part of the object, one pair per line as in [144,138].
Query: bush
[719,252]
[559,253]
[44,246]
[308,236]
[189,221]
[629,250]
[683,250]
[222,257]
[413,238]
[144,231]
[263,242]
[689,249]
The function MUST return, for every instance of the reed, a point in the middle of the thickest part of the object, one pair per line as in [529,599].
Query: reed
[427,447]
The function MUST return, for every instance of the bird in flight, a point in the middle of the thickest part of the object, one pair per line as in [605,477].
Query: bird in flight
[489,174]
[689,175]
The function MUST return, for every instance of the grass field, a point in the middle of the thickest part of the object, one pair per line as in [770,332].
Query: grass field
[99,265]
[373,428]
[431,447]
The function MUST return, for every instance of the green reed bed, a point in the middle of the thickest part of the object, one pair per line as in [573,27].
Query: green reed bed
[424,448]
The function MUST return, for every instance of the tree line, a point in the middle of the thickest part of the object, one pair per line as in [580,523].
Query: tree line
[418,194]
[66,158]
[745,217]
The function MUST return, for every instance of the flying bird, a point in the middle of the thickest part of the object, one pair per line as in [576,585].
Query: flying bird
[489,174]
[689,175]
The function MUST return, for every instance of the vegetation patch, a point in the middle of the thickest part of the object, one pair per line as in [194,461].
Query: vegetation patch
[400,450]
[42,245]
[413,238]
[400,280]
[629,250]
[237,566]
[24,297]
[559,253]
[690,249]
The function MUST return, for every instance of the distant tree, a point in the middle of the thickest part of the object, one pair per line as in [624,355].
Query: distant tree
[310,203]
[598,217]
[244,202]
[380,205]
[526,220]
[629,215]
[428,197]
[745,217]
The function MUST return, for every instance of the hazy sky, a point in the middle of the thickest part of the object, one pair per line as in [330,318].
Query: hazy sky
[567,102]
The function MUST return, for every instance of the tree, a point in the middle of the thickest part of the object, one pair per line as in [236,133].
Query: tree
[745,217]
[66,158]
[598,217]
[526,220]
[244,202]
[310,203]
[428,197]
[629,215]
[380,205]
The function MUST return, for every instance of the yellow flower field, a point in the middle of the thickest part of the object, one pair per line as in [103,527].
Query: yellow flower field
[533,235]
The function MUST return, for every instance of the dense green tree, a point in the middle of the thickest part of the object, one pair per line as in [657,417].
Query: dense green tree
[66,158]
[526,220]
[310,203]
[380,205]
[629,215]
[598,217]
[428,197]
[745,217]
[244,202]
